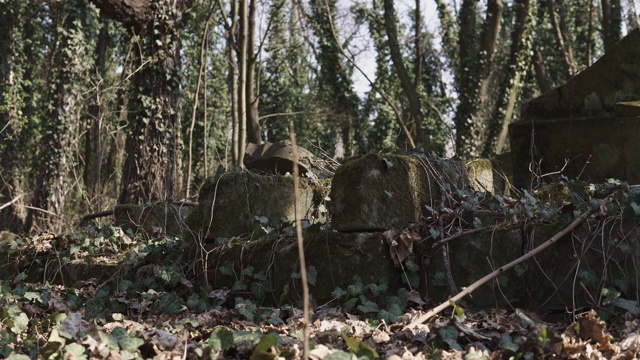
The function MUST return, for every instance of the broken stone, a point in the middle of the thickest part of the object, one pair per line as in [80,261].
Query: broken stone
[234,203]
[614,78]
[277,158]
[586,128]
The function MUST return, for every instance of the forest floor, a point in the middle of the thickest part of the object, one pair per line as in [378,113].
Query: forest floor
[164,315]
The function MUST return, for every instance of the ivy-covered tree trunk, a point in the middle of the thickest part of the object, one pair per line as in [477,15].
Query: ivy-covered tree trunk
[475,59]
[71,62]
[152,168]
[93,154]
[409,87]
[611,22]
[519,62]
[12,96]
[335,86]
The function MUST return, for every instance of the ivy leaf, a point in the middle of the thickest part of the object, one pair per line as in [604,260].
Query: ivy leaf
[108,339]
[450,335]
[130,343]
[76,351]
[246,308]
[275,320]
[258,289]
[312,275]
[266,342]
[338,292]
[221,339]
[368,306]
[170,304]
[506,342]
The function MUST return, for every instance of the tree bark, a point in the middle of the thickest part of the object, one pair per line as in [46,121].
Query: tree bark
[419,48]
[519,61]
[541,72]
[153,147]
[11,217]
[560,33]
[242,80]
[253,123]
[611,22]
[474,74]
[415,106]
[93,140]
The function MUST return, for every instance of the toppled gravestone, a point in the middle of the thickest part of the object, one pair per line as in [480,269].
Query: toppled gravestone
[277,158]
[152,220]
[376,192]
[592,122]
[233,203]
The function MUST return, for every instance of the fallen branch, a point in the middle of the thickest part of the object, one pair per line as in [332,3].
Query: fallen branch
[86,218]
[468,290]
[11,202]
[303,267]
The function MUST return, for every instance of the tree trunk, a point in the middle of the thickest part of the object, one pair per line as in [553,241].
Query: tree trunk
[253,123]
[55,160]
[541,72]
[12,216]
[611,22]
[408,87]
[560,33]
[93,140]
[519,60]
[474,73]
[418,45]
[153,146]
[242,80]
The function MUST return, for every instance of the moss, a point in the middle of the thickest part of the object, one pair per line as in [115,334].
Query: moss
[380,191]
[555,193]
[229,202]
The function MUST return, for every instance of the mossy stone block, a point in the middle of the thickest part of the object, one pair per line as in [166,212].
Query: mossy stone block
[376,192]
[229,203]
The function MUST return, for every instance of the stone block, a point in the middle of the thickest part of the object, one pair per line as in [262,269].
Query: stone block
[336,257]
[595,149]
[376,192]
[229,203]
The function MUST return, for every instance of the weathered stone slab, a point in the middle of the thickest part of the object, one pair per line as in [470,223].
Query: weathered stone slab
[480,173]
[336,257]
[596,149]
[152,219]
[376,192]
[591,122]
[471,257]
[570,274]
[614,78]
[229,203]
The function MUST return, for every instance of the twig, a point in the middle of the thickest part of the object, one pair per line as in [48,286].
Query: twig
[504,268]
[11,202]
[303,265]
[100,214]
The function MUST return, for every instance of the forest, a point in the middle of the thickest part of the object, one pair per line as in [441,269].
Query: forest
[151,105]
[113,101]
